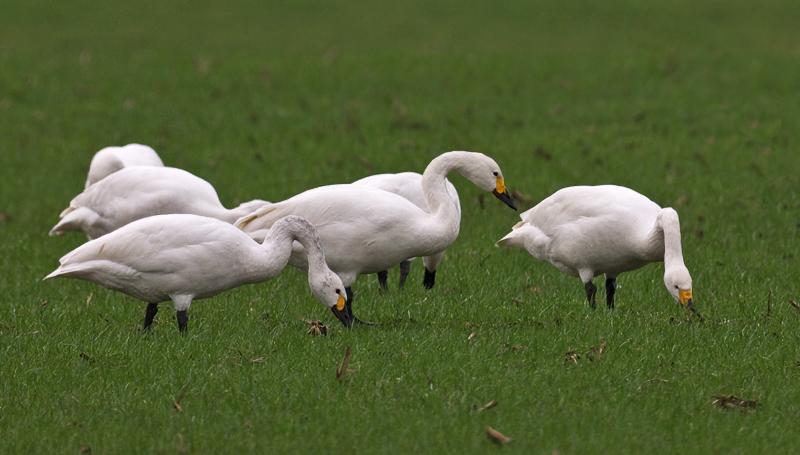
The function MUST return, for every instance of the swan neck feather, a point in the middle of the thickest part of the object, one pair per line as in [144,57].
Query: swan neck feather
[669,223]
[434,186]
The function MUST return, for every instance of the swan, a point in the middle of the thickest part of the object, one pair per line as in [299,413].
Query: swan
[186,257]
[586,231]
[111,159]
[365,230]
[141,191]
[409,185]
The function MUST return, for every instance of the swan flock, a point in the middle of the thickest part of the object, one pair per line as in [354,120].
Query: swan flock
[160,233]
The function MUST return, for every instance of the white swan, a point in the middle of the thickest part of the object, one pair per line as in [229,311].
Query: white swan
[409,185]
[111,159]
[587,231]
[364,230]
[187,257]
[141,191]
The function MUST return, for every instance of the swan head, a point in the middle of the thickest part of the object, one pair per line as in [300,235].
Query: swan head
[679,284]
[329,290]
[485,173]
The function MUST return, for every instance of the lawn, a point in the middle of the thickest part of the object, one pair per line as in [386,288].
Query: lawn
[695,104]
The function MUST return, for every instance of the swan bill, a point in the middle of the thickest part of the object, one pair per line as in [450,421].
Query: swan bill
[685,297]
[344,315]
[505,197]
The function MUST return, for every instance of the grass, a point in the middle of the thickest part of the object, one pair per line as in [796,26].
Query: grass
[693,104]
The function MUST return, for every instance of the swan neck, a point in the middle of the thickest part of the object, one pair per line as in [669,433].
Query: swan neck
[671,228]
[434,186]
[287,230]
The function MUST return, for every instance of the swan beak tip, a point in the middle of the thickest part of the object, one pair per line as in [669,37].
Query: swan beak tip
[505,197]
[345,316]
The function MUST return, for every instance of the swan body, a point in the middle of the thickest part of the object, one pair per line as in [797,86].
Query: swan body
[366,230]
[111,159]
[140,191]
[182,257]
[409,186]
[587,231]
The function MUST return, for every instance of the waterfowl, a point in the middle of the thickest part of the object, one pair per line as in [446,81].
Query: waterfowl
[409,185]
[366,230]
[186,257]
[141,191]
[111,159]
[586,231]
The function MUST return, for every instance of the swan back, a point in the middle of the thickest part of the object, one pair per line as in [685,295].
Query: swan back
[363,230]
[138,192]
[594,228]
[112,159]
[409,186]
[159,256]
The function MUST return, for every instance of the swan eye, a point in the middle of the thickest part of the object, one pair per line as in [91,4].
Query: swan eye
[339,292]
[676,286]
[495,173]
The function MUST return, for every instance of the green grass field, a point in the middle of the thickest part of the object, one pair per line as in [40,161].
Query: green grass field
[694,104]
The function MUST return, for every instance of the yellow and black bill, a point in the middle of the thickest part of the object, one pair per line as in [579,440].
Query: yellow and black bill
[501,193]
[343,312]
[685,298]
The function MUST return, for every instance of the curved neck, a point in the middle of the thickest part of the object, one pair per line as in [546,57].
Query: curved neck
[669,224]
[278,244]
[434,186]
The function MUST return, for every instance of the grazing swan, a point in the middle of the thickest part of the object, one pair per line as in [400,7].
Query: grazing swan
[409,185]
[587,231]
[364,230]
[141,191]
[111,159]
[187,257]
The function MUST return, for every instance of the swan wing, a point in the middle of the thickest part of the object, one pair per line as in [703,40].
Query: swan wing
[361,228]
[158,256]
[407,185]
[598,228]
[139,191]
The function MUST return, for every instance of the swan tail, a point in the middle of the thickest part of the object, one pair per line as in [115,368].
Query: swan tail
[513,238]
[67,271]
[249,207]
[252,206]
[246,223]
[74,219]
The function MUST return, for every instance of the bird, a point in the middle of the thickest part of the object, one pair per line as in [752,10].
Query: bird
[111,159]
[366,230]
[586,231]
[183,257]
[409,185]
[141,191]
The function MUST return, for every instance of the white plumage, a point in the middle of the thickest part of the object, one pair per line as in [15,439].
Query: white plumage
[111,159]
[137,192]
[409,186]
[587,231]
[186,257]
[365,230]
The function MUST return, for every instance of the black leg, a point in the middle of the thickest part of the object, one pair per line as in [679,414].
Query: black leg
[591,291]
[183,320]
[149,314]
[405,268]
[382,276]
[430,279]
[611,287]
